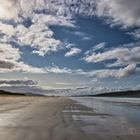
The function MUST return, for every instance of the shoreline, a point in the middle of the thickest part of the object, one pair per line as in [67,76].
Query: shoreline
[58,118]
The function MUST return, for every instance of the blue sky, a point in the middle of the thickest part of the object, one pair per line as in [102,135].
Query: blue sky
[69,47]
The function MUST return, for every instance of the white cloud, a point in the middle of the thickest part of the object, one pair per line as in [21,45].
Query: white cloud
[117,73]
[105,8]
[87,38]
[7,52]
[108,55]
[95,48]
[135,33]
[78,33]
[50,20]
[43,13]
[82,35]
[10,61]
[12,9]
[73,52]
[123,12]
[15,15]
[126,56]
[122,56]
[61,7]
[58,70]
[69,46]
[23,24]
[38,36]
[102,73]
[65,70]
[8,56]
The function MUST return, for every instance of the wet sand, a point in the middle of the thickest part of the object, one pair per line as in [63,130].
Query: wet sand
[59,118]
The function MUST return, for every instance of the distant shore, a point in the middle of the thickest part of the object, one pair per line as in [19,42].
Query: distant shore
[127,94]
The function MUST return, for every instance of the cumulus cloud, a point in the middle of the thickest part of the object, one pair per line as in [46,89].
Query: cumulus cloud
[122,56]
[73,52]
[125,13]
[10,61]
[38,36]
[117,73]
[61,7]
[28,24]
[105,8]
[126,71]
[114,9]
[101,73]
[112,12]
[135,33]
[8,56]
[121,61]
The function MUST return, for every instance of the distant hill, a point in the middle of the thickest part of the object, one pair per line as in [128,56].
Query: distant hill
[130,93]
[7,93]
[2,92]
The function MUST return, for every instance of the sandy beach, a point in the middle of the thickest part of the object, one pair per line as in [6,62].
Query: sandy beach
[59,118]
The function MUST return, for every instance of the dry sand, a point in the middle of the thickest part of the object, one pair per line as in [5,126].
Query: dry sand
[54,118]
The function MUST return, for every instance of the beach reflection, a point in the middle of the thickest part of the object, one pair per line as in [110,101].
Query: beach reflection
[121,115]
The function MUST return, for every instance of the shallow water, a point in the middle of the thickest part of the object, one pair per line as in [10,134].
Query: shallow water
[113,116]
[128,108]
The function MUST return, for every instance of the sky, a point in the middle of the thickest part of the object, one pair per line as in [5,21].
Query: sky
[69,47]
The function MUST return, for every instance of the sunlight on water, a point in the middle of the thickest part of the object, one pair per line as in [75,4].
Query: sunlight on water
[121,107]
[120,114]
